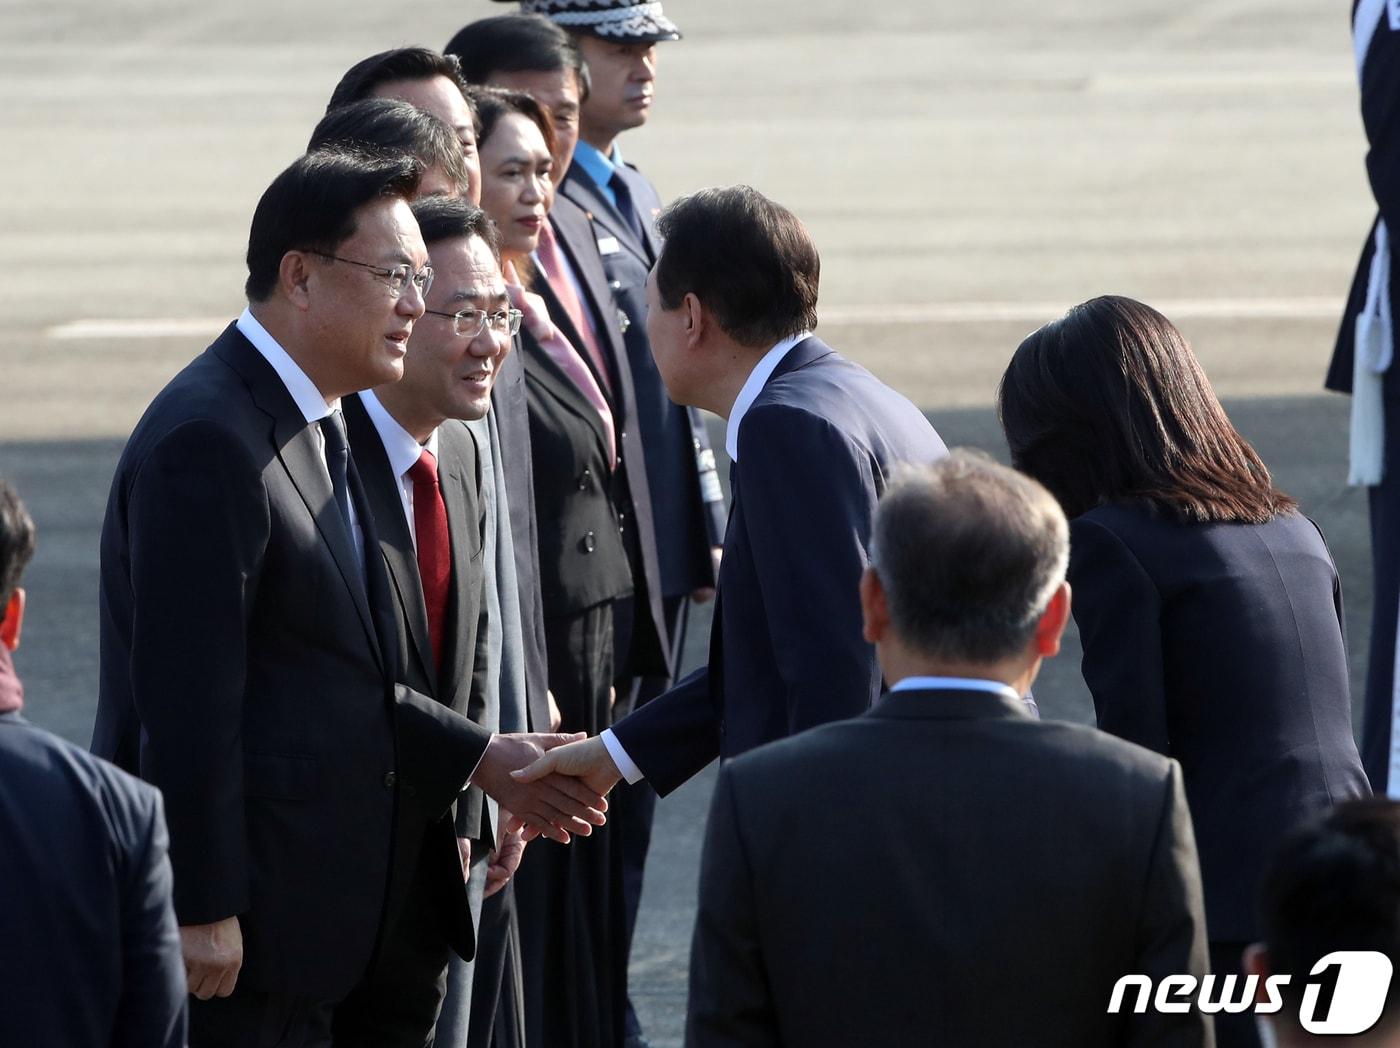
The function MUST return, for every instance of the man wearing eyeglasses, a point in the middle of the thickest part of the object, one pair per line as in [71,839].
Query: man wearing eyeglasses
[430,484]
[249,661]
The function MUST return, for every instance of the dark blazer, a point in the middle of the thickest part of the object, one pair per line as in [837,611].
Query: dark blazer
[583,560]
[816,450]
[511,407]
[247,672]
[650,651]
[461,685]
[674,438]
[1221,645]
[1005,872]
[88,942]
[1380,85]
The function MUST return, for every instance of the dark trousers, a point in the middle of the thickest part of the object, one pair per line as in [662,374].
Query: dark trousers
[498,1005]
[396,1004]
[251,1019]
[1385,589]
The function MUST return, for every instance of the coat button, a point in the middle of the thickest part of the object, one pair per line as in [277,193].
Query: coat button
[623,320]
[389,780]
[584,478]
[589,543]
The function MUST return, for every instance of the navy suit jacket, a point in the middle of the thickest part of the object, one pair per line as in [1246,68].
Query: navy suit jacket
[816,450]
[674,438]
[1008,872]
[88,941]
[1221,645]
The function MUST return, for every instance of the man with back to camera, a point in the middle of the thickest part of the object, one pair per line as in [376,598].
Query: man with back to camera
[1005,872]
[248,654]
[1334,885]
[814,439]
[88,941]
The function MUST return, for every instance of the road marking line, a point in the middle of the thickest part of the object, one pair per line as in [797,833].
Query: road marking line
[929,313]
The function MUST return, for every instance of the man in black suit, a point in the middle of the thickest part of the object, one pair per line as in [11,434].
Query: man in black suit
[814,439]
[88,941]
[1362,366]
[1004,872]
[249,657]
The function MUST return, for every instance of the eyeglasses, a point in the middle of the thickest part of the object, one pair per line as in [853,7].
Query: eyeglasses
[397,277]
[471,322]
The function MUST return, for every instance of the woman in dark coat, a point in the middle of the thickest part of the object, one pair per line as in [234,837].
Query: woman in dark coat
[1209,609]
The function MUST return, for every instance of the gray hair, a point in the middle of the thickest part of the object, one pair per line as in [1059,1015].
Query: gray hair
[969,553]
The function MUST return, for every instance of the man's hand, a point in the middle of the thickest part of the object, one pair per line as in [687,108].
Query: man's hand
[505,860]
[464,851]
[556,716]
[587,762]
[552,805]
[213,957]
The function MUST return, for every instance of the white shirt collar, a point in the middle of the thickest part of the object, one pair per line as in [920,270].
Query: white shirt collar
[753,386]
[308,398]
[956,684]
[399,445]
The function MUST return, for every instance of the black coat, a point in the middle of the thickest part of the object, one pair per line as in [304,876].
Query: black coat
[88,942]
[674,438]
[944,870]
[248,673]
[816,451]
[1221,645]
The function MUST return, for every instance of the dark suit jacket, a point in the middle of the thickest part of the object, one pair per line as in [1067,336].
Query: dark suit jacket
[674,438]
[583,560]
[650,652]
[1221,645]
[1002,874]
[88,942]
[511,407]
[816,450]
[247,672]
[461,684]
[1380,86]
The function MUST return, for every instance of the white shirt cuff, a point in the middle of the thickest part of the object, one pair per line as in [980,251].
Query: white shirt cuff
[630,771]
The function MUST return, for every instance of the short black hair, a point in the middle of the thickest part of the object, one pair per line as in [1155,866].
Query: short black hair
[393,126]
[517,43]
[17,540]
[311,206]
[969,554]
[363,78]
[748,259]
[446,218]
[1334,885]
[492,103]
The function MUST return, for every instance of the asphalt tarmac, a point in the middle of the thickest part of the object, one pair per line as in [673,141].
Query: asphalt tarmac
[968,171]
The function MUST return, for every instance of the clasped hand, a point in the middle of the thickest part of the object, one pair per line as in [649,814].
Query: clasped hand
[550,805]
[582,761]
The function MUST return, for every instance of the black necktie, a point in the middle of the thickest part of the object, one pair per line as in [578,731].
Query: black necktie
[623,196]
[338,464]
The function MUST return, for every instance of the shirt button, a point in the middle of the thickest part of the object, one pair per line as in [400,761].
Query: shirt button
[589,543]
[584,478]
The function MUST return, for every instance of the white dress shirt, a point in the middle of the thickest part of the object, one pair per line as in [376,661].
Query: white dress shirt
[312,404]
[403,452]
[996,687]
[748,393]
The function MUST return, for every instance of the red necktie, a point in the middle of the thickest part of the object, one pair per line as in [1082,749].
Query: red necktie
[434,547]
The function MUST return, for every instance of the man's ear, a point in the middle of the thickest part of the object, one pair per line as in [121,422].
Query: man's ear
[697,320]
[13,619]
[1053,621]
[874,607]
[293,278]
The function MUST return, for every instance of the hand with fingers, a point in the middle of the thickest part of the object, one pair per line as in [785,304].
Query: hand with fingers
[587,762]
[505,860]
[552,806]
[213,957]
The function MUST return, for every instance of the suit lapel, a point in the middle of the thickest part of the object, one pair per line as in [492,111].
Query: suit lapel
[540,366]
[642,191]
[395,541]
[584,192]
[296,443]
[565,324]
[576,239]
[454,465]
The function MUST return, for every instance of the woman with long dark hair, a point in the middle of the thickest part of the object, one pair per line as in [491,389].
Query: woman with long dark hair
[1208,606]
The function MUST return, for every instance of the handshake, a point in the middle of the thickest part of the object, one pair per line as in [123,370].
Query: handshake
[555,785]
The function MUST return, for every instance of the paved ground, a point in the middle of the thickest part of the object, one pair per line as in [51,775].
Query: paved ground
[968,170]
